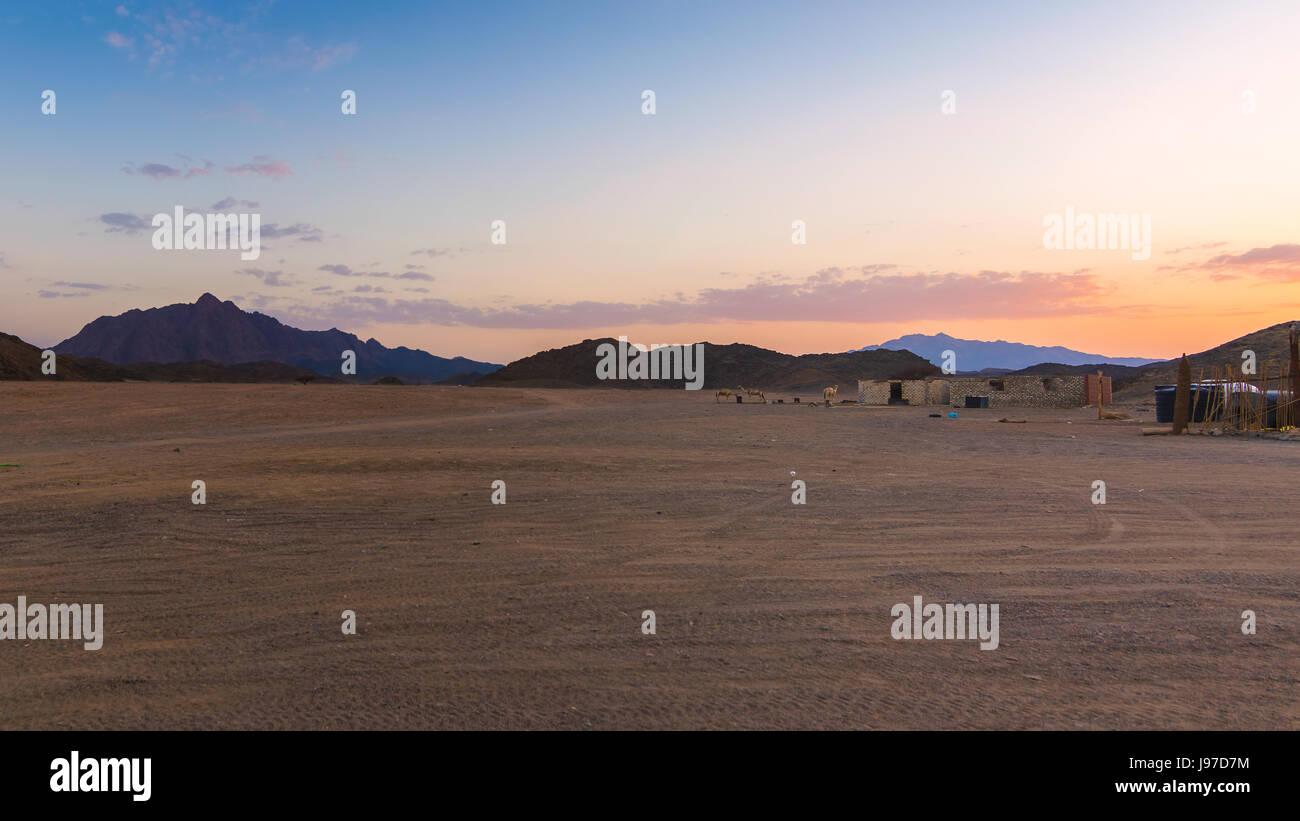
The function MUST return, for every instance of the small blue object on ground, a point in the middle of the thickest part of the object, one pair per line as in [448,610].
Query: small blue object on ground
[952,414]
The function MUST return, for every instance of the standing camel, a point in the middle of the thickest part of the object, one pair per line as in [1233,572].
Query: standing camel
[829,394]
[720,395]
[754,392]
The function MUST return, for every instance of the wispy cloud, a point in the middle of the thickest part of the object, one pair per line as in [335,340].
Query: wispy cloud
[302,231]
[325,56]
[45,294]
[84,288]
[263,167]
[272,279]
[161,171]
[1205,246]
[345,271]
[1279,262]
[258,166]
[168,32]
[829,295]
[118,40]
[200,41]
[231,202]
[119,222]
[437,252]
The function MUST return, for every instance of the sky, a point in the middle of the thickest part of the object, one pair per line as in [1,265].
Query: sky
[919,148]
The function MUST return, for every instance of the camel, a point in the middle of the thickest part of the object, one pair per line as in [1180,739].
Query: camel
[753,392]
[829,394]
[720,395]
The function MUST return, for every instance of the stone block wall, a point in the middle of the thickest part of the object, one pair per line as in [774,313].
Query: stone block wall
[915,391]
[873,392]
[1021,391]
[1003,392]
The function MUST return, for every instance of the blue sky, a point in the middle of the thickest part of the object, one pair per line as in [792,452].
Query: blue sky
[673,227]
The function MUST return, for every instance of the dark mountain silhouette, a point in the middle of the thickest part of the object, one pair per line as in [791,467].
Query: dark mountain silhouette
[725,366]
[22,361]
[975,355]
[221,332]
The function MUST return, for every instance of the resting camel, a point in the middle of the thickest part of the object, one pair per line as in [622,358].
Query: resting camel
[829,394]
[752,392]
[720,395]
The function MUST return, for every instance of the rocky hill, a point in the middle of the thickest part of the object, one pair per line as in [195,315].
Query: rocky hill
[22,361]
[1269,344]
[221,332]
[725,366]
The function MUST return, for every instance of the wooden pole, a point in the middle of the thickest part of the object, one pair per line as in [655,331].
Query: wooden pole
[1182,396]
[1294,379]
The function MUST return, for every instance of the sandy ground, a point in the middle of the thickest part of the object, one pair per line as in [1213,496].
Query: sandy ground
[528,615]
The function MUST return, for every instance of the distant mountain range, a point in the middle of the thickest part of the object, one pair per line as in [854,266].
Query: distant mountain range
[221,332]
[215,341]
[725,366]
[975,355]
[22,361]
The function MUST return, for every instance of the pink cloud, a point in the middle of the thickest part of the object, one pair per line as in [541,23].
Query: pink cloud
[161,171]
[1281,261]
[325,57]
[831,295]
[275,170]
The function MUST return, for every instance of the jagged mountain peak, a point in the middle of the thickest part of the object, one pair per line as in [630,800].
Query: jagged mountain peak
[210,329]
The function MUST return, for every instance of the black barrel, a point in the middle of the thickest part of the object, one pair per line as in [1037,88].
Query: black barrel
[1271,407]
[1202,407]
[1201,401]
[1165,395]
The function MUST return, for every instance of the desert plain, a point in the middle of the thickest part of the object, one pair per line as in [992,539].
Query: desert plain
[528,614]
